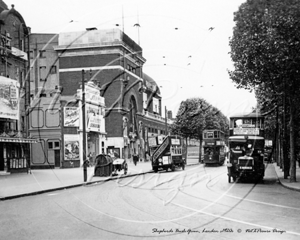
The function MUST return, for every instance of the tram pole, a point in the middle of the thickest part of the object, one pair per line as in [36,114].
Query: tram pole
[83,129]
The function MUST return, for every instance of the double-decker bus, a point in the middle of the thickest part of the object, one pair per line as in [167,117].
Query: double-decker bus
[214,147]
[246,147]
[167,153]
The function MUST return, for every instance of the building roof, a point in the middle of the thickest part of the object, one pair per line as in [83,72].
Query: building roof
[5,12]
[253,114]
[3,6]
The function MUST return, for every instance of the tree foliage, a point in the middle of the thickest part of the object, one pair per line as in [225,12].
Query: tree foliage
[265,50]
[195,115]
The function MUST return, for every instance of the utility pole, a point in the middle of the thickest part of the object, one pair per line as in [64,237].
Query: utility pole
[166,122]
[83,129]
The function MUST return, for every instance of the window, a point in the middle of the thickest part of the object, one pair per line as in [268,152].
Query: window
[216,134]
[56,145]
[53,144]
[31,55]
[53,70]
[8,41]
[22,44]
[43,73]
[42,53]
[155,105]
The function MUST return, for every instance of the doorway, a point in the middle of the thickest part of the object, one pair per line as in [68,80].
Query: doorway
[57,158]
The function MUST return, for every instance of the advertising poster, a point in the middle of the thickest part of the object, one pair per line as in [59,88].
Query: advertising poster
[94,118]
[71,147]
[9,98]
[71,117]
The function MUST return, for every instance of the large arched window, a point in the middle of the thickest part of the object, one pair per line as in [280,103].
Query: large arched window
[132,115]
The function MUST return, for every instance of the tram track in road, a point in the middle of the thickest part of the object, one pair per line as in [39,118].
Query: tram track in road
[174,177]
[157,189]
[240,200]
[121,194]
[127,198]
[224,217]
[245,199]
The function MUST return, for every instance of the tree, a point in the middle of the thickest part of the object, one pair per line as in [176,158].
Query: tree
[194,116]
[265,51]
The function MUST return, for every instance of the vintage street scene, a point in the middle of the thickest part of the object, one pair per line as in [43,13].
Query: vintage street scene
[142,119]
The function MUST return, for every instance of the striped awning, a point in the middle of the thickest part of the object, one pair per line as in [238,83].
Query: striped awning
[18,140]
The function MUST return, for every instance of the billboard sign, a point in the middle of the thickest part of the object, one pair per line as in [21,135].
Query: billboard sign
[71,117]
[9,98]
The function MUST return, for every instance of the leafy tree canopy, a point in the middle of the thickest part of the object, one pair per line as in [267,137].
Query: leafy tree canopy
[265,45]
[195,115]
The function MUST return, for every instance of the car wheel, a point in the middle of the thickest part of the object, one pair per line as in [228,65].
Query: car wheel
[173,167]
[125,169]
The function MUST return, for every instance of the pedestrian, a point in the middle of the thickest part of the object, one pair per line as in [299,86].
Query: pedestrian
[147,157]
[90,158]
[135,159]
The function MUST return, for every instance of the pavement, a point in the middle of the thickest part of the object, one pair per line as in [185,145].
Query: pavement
[46,180]
[286,182]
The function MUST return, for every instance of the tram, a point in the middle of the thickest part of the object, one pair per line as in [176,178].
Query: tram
[246,147]
[214,147]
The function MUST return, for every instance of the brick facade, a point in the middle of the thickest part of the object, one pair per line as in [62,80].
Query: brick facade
[117,68]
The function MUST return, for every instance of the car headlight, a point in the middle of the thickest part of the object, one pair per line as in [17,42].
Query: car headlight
[160,160]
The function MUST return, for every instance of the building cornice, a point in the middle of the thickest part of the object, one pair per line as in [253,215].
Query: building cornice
[72,50]
[118,67]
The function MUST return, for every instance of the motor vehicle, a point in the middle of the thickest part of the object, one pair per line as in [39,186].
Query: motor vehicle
[214,147]
[167,153]
[246,147]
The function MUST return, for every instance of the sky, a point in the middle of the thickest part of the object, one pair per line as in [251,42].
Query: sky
[185,42]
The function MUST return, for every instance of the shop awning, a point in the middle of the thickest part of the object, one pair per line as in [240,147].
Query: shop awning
[18,140]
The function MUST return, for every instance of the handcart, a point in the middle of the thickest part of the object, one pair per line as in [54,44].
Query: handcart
[118,165]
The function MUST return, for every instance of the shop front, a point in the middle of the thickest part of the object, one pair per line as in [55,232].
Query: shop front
[14,153]
[14,148]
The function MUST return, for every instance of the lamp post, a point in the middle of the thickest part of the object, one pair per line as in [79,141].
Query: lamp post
[83,129]
[166,120]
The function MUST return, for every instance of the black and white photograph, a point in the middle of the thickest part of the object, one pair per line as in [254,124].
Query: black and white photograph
[149,119]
